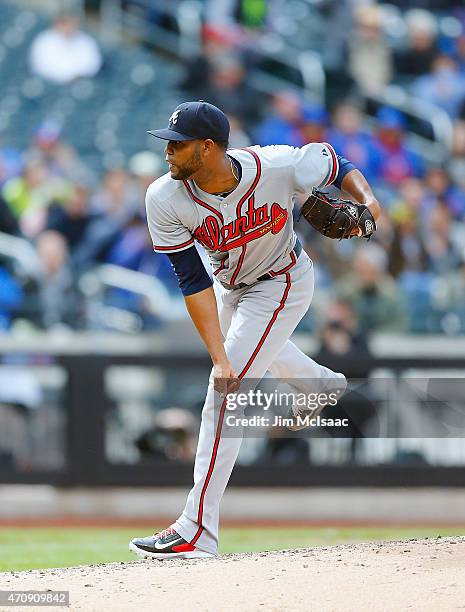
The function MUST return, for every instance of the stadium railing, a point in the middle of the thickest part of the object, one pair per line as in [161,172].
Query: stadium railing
[74,422]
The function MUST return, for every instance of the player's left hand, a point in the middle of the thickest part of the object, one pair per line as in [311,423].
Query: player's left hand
[337,218]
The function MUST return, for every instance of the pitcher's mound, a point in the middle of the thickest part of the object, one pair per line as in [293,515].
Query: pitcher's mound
[408,575]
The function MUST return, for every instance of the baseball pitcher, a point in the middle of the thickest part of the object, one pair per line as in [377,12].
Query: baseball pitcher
[237,203]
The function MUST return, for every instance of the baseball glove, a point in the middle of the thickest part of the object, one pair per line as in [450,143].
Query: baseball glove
[337,218]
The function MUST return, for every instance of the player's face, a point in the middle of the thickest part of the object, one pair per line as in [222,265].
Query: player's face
[183,158]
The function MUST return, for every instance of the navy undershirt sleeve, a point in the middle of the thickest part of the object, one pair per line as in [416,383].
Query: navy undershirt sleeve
[190,271]
[345,167]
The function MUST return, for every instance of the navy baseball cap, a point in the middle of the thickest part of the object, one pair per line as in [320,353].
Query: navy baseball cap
[195,121]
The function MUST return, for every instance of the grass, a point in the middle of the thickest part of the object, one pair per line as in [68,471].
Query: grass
[38,547]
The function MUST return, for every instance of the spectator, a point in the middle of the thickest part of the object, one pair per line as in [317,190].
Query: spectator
[11,297]
[370,61]
[407,250]
[237,13]
[459,51]
[282,125]
[132,247]
[10,163]
[409,204]
[73,218]
[30,194]
[8,221]
[443,243]
[57,299]
[238,137]
[444,86]
[172,437]
[216,43]
[352,142]
[227,89]
[457,162]
[145,167]
[313,124]
[372,292]
[344,347]
[398,163]
[293,123]
[341,338]
[417,59]
[117,198]
[58,157]
[449,297]
[113,208]
[23,192]
[251,15]
[440,189]
[64,53]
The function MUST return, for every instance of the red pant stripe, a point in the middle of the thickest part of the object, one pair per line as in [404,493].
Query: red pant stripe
[223,408]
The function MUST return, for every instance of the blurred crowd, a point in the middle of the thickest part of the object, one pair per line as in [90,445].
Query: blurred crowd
[76,221]
[409,277]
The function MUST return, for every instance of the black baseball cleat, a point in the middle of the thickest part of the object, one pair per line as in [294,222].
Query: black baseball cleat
[166,544]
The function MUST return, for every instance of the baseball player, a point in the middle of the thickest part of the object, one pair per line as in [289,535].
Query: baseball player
[237,203]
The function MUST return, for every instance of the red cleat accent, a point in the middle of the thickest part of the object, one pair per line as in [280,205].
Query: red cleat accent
[183,548]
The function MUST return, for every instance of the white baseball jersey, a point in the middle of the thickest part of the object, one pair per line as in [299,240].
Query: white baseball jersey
[249,232]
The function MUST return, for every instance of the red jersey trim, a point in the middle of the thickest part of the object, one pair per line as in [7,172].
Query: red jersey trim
[335,169]
[201,202]
[239,264]
[286,268]
[222,265]
[157,247]
[252,187]
[246,196]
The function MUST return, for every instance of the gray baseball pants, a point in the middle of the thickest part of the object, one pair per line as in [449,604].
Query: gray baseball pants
[257,322]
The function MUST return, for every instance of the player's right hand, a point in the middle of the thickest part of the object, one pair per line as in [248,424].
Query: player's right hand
[225,379]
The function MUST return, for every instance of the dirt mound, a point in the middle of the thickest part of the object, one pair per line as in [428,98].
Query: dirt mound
[413,574]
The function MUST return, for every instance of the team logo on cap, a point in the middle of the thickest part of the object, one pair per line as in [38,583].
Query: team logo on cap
[174,118]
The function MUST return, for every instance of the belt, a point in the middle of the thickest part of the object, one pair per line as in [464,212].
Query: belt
[297,250]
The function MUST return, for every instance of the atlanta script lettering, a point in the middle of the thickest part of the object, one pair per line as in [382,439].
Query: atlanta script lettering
[254,223]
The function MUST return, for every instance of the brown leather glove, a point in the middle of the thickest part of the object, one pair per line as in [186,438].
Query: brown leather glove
[337,218]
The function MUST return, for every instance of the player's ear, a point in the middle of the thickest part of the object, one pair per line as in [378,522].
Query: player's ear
[208,146]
